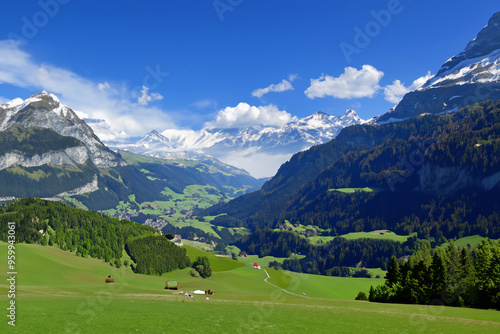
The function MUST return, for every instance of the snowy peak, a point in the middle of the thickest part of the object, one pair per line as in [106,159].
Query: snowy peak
[471,76]
[486,42]
[44,110]
[350,118]
[153,138]
[478,63]
[239,147]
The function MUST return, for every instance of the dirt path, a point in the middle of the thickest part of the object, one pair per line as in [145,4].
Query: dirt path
[277,287]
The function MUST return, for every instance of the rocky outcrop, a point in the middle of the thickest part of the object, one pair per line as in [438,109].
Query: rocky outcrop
[85,189]
[448,180]
[44,110]
[70,156]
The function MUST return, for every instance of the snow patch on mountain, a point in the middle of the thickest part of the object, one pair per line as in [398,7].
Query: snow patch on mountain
[259,150]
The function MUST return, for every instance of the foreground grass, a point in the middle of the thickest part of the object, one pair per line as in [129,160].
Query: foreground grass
[58,292]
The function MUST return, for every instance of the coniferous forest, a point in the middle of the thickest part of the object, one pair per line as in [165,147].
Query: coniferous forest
[88,233]
[156,255]
[451,276]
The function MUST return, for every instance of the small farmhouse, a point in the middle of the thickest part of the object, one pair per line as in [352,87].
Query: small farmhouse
[177,240]
[109,279]
[256,266]
[172,285]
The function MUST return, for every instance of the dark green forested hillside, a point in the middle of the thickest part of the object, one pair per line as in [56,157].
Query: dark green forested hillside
[89,233]
[31,141]
[324,259]
[434,175]
[156,255]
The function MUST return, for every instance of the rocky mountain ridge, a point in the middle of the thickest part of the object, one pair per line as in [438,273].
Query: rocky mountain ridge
[469,77]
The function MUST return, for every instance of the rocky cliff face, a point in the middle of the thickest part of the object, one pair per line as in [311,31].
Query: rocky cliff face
[466,78]
[449,180]
[70,156]
[46,111]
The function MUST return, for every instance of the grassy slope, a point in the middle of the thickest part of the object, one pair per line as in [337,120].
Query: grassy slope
[59,292]
[471,241]
[360,235]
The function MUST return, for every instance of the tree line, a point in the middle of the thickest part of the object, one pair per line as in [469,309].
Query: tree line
[452,276]
[327,258]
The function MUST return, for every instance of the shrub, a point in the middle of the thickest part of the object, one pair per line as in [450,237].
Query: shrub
[361,296]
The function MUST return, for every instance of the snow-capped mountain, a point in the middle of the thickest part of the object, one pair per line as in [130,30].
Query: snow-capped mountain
[227,144]
[471,76]
[45,111]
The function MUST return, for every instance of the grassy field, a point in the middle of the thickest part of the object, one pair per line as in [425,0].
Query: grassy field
[471,241]
[57,292]
[381,234]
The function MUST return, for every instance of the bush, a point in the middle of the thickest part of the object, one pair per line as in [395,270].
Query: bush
[194,273]
[361,296]
[169,236]
[202,266]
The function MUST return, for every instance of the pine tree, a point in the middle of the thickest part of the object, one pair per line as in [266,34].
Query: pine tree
[393,272]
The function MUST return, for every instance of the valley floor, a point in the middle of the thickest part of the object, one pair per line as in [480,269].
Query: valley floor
[57,292]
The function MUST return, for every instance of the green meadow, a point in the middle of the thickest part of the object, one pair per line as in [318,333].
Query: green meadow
[379,234]
[58,292]
[470,241]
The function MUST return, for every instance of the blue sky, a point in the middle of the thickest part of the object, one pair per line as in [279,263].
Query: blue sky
[143,65]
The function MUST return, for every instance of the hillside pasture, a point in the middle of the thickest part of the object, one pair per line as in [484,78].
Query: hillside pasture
[58,292]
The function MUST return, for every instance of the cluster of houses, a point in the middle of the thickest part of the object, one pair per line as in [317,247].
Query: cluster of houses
[125,214]
[156,223]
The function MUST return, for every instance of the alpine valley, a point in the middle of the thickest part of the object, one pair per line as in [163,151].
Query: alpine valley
[399,209]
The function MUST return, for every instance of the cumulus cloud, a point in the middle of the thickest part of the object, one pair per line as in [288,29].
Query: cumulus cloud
[106,101]
[245,115]
[352,83]
[283,86]
[147,97]
[395,92]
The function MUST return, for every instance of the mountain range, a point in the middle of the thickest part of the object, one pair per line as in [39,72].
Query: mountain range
[242,147]
[47,151]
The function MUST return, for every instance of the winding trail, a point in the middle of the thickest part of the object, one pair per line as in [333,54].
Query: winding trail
[277,287]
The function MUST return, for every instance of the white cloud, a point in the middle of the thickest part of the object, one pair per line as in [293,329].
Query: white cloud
[145,98]
[292,77]
[245,115]
[103,86]
[283,86]
[352,83]
[111,103]
[395,92]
